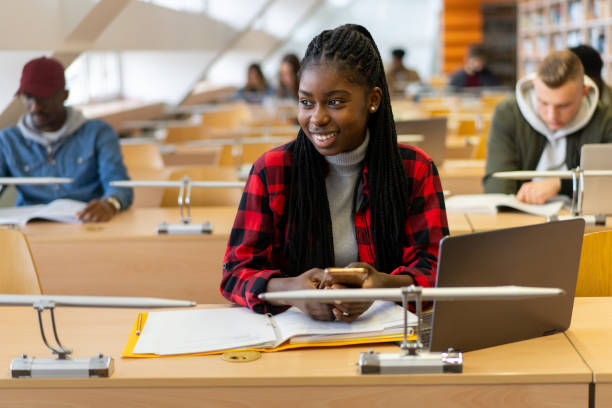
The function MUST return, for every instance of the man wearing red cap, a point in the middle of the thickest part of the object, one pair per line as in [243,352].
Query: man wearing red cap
[52,140]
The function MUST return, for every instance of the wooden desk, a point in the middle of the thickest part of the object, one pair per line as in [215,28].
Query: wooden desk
[146,196]
[590,333]
[543,372]
[192,156]
[487,222]
[462,176]
[125,257]
[458,224]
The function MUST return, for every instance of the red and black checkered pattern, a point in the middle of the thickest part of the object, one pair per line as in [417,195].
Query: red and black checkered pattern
[255,251]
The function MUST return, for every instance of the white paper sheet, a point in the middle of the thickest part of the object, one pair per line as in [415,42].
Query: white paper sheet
[61,210]
[200,330]
[489,204]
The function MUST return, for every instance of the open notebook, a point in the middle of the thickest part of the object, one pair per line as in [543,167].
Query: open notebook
[62,210]
[492,203]
[212,331]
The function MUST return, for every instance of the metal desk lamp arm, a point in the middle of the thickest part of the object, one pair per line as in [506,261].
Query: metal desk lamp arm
[61,351]
[184,200]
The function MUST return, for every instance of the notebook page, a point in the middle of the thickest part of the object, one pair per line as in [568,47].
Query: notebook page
[201,330]
[19,215]
[381,315]
[490,203]
[62,210]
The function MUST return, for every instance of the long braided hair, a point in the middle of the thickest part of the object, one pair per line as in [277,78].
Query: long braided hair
[350,50]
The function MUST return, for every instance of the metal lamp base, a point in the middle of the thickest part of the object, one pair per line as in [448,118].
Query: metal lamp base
[98,366]
[403,363]
[185,229]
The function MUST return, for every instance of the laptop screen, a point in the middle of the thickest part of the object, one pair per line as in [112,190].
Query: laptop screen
[597,197]
[544,255]
[433,131]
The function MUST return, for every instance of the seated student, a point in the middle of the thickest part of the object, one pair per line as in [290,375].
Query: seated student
[288,77]
[554,113]
[52,140]
[474,72]
[593,64]
[256,88]
[398,76]
[341,194]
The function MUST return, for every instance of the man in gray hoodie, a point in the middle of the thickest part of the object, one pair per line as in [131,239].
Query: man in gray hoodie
[555,111]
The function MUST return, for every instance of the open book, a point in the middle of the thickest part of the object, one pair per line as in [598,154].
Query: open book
[62,210]
[211,331]
[491,203]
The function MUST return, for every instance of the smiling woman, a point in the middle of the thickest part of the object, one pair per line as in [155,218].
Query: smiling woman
[342,194]
[333,111]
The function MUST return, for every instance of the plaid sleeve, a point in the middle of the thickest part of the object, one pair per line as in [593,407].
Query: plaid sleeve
[254,253]
[426,223]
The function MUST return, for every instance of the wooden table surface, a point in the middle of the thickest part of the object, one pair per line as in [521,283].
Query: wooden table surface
[591,335]
[458,224]
[462,176]
[135,223]
[487,222]
[541,372]
[125,257]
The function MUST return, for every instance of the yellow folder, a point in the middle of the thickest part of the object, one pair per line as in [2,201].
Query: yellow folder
[128,351]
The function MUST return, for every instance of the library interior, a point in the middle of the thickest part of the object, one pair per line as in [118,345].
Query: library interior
[179,179]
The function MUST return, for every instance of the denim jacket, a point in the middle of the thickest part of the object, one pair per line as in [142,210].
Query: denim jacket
[91,156]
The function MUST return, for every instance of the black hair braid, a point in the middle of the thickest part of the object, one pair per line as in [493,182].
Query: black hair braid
[310,238]
[351,50]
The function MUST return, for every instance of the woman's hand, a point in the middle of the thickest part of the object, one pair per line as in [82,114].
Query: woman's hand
[349,311]
[311,279]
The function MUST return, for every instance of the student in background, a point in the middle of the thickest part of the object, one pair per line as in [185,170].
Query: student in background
[342,194]
[554,113]
[288,77]
[52,140]
[398,76]
[593,64]
[474,72]
[256,88]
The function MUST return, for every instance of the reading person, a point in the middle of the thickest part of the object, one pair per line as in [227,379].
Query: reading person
[474,72]
[288,77]
[343,193]
[593,65]
[52,140]
[555,111]
[256,88]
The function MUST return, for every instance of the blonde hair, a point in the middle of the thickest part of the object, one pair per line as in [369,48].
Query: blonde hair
[559,67]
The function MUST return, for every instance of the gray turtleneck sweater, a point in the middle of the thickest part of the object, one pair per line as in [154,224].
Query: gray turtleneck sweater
[344,171]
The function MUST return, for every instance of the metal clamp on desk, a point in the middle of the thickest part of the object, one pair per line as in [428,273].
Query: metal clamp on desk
[63,365]
[184,200]
[185,229]
[184,203]
[415,358]
[589,220]
[577,191]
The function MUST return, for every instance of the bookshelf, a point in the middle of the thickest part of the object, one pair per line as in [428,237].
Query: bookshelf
[499,39]
[546,25]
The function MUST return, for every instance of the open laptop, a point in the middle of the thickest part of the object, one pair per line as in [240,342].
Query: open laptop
[544,255]
[433,131]
[597,197]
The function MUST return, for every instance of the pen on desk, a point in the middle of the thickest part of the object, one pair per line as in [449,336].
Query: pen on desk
[139,324]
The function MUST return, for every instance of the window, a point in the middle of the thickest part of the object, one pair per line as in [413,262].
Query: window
[94,77]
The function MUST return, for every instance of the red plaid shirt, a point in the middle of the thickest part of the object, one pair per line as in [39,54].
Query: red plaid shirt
[256,244]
